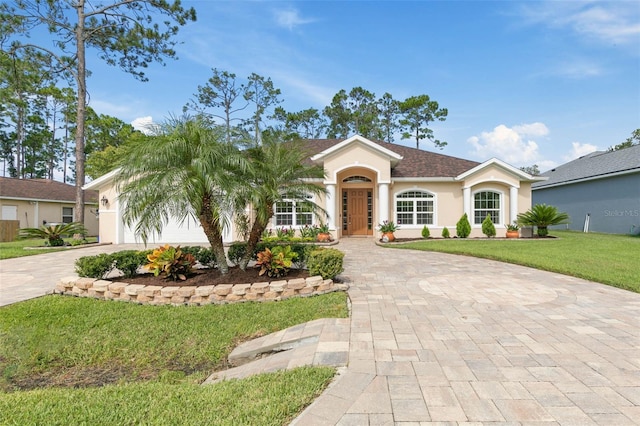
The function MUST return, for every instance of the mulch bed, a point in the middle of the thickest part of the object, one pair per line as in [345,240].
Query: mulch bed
[202,277]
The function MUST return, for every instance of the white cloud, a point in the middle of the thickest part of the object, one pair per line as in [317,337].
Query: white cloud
[513,145]
[579,149]
[610,22]
[579,70]
[290,18]
[143,124]
[108,108]
[533,129]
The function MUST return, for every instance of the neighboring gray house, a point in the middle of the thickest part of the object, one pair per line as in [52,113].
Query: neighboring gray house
[605,186]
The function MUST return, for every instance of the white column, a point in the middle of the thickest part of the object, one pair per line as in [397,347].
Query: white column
[466,202]
[383,202]
[513,204]
[331,206]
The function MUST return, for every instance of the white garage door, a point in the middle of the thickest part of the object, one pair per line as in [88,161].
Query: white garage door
[187,233]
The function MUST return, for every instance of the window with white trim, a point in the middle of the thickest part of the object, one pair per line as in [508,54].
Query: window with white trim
[486,203]
[293,213]
[415,208]
[67,214]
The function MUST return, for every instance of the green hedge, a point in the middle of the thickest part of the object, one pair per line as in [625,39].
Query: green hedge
[327,263]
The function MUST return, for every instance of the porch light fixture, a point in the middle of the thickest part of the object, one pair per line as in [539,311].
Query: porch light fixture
[104,201]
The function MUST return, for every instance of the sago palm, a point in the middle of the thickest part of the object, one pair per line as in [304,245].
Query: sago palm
[542,216]
[53,233]
[184,172]
[276,171]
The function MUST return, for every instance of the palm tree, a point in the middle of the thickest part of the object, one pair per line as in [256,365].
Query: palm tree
[277,170]
[184,172]
[542,216]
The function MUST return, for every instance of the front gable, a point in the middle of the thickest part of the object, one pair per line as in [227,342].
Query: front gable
[357,152]
[496,171]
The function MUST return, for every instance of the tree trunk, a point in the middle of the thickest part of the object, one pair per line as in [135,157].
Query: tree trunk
[254,237]
[19,141]
[212,230]
[81,80]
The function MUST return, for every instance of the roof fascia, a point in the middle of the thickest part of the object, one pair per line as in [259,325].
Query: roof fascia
[587,179]
[424,179]
[102,180]
[44,200]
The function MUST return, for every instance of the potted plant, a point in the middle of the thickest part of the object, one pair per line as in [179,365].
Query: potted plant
[388,228]
[323,234]
[512,230]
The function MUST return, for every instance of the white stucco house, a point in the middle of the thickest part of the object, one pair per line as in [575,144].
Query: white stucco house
[368,182]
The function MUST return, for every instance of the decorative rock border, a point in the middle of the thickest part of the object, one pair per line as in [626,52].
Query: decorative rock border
[196,295]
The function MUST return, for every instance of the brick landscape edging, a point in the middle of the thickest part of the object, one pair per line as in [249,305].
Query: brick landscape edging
[196,295]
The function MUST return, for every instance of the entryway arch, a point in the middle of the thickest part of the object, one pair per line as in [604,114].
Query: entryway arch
[357,201]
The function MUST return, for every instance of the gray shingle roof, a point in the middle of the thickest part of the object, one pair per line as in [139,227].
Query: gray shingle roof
[597,165]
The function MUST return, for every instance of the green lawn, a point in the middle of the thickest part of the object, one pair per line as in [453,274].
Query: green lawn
[605,258]
[20,248]
[134,364]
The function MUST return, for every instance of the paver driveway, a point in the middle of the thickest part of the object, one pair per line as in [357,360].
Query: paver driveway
[442,338]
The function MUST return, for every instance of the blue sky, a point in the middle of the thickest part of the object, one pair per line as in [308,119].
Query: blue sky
[535,82]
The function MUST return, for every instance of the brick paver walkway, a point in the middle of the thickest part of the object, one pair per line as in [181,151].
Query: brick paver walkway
[442,338]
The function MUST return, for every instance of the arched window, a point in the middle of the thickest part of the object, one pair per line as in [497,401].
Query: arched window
[415,208]
[356,179]
[486,203]
[293,213]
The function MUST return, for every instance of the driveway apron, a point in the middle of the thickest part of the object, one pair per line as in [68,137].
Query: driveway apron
[445,338]
[34,276]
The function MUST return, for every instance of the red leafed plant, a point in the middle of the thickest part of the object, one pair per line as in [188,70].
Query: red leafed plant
[276,262]
[171,262]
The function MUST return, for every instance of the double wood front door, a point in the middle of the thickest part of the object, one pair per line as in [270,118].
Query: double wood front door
[357,212]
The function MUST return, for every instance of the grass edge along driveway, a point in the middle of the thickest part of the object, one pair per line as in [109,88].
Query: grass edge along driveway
[51,343]
[605,258]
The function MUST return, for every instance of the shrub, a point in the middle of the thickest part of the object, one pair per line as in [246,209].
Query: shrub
[129,261]
[463,227]
[445,233]
[97,266]
[276,262]
[302,251]
[171,262]
[203,255]
[327,263]
[236,251]
[425,232]
[488,228]
[78,241]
